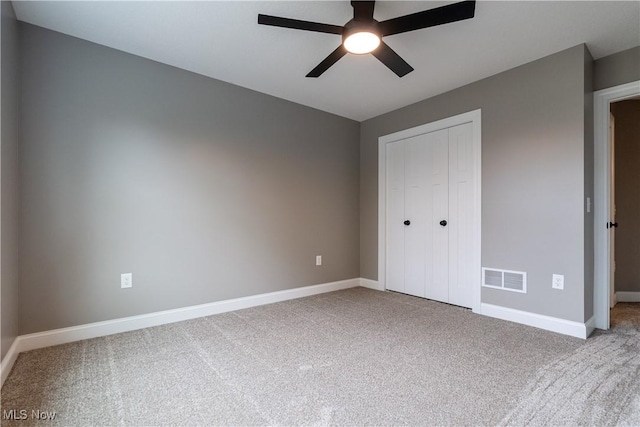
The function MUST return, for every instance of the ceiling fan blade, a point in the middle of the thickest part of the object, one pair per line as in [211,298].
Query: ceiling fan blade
[297,24]
[392,60]
[328,62]
[363,10]
[429,18]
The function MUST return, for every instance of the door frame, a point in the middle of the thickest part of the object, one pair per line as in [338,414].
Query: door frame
[473,117]
[602,100]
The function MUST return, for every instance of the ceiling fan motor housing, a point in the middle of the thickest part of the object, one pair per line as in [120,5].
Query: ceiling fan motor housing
[354,26]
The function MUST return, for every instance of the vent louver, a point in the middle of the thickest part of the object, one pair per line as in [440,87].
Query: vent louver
[508,280]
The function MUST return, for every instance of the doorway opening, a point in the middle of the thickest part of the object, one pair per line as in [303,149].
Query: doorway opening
[625,210]
[617,190]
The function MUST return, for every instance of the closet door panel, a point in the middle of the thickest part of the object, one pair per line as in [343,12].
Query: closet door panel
[416,207]
[461,214]
[395,268]
[436,196]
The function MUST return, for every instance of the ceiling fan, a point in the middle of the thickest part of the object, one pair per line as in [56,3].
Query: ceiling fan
[363,34]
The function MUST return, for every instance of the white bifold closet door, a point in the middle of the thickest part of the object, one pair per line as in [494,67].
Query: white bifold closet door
[430,215]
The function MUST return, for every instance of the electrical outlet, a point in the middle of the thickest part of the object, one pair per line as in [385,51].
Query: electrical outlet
[126,280]
[557,282]
[318,259]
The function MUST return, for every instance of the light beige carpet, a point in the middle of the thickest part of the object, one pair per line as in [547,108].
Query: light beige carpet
[354,357]
[596,384]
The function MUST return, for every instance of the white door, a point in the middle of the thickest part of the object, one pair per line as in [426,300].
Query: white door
[415,211]
[436,197]
[429,213]
[395,216]
[461,218]
[612,210]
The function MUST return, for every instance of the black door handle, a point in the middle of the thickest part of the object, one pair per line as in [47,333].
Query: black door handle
[612,224]
[443,223]
[407,222]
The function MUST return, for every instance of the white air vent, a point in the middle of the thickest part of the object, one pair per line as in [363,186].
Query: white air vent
[508,280]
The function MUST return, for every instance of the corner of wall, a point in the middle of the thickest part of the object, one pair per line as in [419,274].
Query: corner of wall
[9,178]
[588,186]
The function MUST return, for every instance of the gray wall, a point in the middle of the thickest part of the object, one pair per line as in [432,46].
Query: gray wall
[589,238]
[9,178]
[533,177]
[627,197]
[203,190]
[617,69]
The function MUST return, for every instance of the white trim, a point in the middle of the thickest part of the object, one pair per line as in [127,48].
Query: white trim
[473,117]
[602,100]
[554,324]
[125,324]
[371,284]
[8,361]
[624,296]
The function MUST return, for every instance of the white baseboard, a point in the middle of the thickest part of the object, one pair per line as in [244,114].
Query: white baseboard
[371,284]
[110,327]
[566,327]
[8,360]
[627,296]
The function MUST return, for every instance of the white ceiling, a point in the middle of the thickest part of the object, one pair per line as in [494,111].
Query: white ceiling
[223,40]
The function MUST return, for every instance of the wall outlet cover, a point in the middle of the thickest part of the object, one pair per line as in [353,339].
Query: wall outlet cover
[557,281]
[126,280]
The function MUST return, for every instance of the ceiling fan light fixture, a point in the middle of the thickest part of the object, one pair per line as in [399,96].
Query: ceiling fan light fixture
[363,34]
[362,42]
